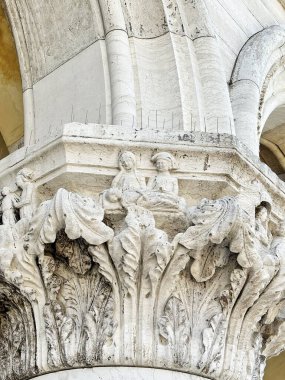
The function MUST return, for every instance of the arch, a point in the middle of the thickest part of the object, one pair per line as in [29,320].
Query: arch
[258,63]
[13,17]
[11,99]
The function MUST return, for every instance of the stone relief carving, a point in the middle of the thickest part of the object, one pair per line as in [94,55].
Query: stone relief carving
[17,334]
[175,329]
[162,189]
[24,181]
[128,185]
[262,231]
[9,205]
[112,282]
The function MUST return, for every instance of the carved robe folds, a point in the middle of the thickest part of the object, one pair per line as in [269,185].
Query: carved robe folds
[76,292]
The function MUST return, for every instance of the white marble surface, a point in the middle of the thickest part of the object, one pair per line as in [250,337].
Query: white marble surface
[79,91]
[140,64]
[159,84]
[119,373]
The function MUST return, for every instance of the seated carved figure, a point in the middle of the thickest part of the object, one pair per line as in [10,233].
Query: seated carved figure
[127,186]
[262,231]
[162,190]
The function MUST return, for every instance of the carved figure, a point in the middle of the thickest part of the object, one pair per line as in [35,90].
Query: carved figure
[162,194]
[128,179]
[263,233]
[276,257]
[278,242]
[24,182]
[9,206]
[163,182]
[127,186]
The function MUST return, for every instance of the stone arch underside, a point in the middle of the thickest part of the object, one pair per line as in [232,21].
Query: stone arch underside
[259,63]
[11,102]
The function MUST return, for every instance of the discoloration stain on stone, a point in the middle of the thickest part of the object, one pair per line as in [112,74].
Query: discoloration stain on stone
[206,162]
[11,104]
[9,66]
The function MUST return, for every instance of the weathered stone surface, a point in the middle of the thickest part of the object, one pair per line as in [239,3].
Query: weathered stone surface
[119,373]
[102,284]
[136,230]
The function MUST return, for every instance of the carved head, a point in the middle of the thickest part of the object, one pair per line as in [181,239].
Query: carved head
[127,161]
[5,191]
[164,161]
[262,211]
[24,175]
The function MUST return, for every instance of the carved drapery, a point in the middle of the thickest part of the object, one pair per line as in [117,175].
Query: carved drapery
[139,278]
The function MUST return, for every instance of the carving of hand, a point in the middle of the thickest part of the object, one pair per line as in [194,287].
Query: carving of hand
[270,260]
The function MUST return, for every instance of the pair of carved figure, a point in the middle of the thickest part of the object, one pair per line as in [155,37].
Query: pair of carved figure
[129,186]
[266,241]
[14,206]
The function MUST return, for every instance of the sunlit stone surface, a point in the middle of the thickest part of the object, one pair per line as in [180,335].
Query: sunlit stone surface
[119,373]
[139,229]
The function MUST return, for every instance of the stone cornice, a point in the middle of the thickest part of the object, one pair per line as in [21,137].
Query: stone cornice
[209,159]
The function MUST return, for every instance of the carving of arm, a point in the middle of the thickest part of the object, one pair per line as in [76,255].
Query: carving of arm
[115,182]
[175,187]
[142,183]
[28,197]
[15,201]
[279,250]
[150,183]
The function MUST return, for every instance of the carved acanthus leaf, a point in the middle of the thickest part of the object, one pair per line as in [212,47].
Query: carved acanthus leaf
[100,255]
[51,337]
[157,254]
[212,222]
[218,229]
[17,334]
[80,217]
[207,260]
[175,330]
[131,244]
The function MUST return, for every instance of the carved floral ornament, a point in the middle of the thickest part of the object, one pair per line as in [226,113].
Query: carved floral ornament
[138,278]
